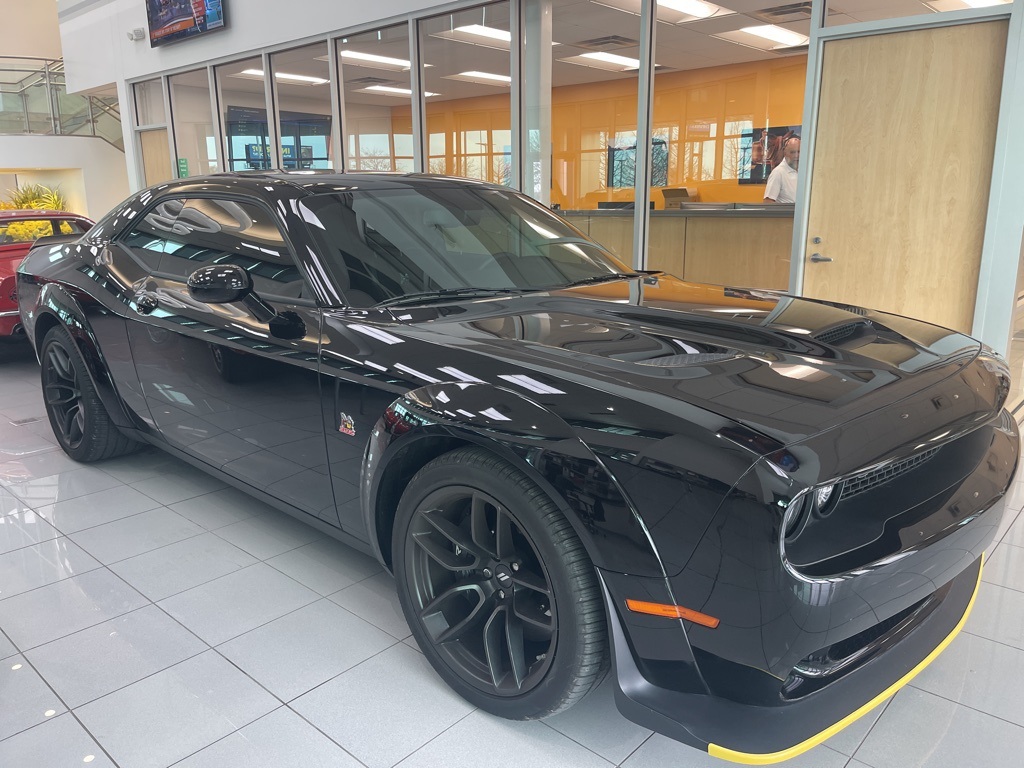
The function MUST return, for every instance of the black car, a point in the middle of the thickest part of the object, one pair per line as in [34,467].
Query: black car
[764,513]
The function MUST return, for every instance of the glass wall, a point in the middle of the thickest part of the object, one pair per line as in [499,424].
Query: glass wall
[149,103]
[467,85]
[851,11]
[195,139]
[243,105]
[377,93]
[303,95]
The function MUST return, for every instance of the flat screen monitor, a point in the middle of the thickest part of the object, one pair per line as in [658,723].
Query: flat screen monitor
[173,20]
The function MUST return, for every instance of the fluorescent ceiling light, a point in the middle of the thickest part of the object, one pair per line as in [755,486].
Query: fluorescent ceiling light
[479,30]
[672,11]
[487,78]
[603,60]
[785,37]
[985,3]
[697,8]
[303,79]
[941,6]
[381,62]
[392,90]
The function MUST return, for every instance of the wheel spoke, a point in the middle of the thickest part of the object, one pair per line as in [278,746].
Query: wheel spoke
[504,544]
[494,641]
[445,557]
[61,362]
[463,626]
[540,622]
[516,649]
[483,537]
[67,421]
[78,425]
[452,532]
[533,581]
[53,396]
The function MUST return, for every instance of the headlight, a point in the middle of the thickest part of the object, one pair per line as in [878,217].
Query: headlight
[822,495]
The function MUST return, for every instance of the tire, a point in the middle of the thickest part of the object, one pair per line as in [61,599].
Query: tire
[497,588]
[230,365]
[79,420]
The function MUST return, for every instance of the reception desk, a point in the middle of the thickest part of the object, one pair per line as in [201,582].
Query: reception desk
[748,246]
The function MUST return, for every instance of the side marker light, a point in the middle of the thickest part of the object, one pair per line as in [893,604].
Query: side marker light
[672,612]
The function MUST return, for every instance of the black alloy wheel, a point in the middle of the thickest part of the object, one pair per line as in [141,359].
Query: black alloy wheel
[497,588]
[79,420]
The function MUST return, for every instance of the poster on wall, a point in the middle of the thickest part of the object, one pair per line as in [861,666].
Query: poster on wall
[761,151]
[173,20]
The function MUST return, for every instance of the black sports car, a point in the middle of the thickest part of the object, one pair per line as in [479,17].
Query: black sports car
[765,513]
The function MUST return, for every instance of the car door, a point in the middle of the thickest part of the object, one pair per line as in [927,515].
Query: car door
[237,393]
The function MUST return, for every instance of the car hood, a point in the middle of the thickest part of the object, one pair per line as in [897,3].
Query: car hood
[784,366]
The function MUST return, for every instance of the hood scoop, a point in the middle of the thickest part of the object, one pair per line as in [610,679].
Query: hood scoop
[686,360]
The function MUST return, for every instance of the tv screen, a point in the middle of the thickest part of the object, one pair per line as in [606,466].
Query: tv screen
[173,20]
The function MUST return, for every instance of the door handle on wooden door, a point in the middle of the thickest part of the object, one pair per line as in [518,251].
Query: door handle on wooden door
[818,258]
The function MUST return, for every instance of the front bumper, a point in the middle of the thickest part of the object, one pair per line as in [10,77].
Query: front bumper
[762,735]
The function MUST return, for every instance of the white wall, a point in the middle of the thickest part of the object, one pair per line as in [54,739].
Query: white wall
[97,50]
[89,171]
[29,28]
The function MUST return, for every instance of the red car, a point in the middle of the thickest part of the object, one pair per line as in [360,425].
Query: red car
[18,230]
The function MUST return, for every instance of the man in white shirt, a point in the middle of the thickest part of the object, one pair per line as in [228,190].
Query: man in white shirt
[781,187]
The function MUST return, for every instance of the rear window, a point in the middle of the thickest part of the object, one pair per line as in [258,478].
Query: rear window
[27,230]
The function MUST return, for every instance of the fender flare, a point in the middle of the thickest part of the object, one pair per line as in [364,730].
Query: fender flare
[531,438]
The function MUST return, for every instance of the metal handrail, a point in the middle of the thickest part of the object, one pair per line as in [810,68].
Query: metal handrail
[34,100]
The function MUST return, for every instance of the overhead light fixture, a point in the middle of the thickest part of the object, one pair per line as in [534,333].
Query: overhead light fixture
[960,5]
[479,34]
[479,30]
[257,74]
[486,78]
[388,89]
[786,38]
[767,37]
[378,62]
[986,3]
[671,11]
[604,60]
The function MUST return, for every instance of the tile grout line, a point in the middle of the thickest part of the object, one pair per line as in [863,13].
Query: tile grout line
[965,706]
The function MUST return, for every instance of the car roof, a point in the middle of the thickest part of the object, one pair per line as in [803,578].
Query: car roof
[39,213]
[315,182]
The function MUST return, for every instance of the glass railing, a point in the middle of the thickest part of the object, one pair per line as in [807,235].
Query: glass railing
[34,99]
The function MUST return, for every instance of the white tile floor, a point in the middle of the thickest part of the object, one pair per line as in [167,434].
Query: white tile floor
[151,617]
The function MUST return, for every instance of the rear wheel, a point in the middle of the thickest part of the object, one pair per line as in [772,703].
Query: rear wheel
[497,588]
[79,420]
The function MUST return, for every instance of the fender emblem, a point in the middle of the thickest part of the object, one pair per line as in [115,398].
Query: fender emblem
[347,425]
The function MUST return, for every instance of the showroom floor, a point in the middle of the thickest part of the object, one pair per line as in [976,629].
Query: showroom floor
[151,616]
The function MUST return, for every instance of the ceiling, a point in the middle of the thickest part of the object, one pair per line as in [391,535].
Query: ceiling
[680,46]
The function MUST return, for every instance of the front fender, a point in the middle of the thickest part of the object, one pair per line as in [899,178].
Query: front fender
[530,437]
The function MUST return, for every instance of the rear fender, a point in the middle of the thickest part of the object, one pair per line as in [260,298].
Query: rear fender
[528,436]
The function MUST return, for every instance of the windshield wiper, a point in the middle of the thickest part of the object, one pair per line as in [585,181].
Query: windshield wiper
[447,293]
[600,279]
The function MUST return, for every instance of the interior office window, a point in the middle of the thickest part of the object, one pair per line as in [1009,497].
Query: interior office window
[149,103]
[377,93]
[302,85]
[242,99]
[467,83]
[851,11]
[208,231]
[195,139]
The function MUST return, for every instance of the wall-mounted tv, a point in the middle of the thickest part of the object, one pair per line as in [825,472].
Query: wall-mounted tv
[173,20]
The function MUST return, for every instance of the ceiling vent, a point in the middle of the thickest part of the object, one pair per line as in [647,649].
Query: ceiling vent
[781,14]
[362,82]
[607,43]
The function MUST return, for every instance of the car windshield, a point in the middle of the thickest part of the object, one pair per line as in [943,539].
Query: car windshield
[441,242]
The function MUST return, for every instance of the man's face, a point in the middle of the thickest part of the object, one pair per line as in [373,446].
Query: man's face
[792,154]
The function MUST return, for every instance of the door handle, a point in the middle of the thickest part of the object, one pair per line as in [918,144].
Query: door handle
[146,303]
[818,258]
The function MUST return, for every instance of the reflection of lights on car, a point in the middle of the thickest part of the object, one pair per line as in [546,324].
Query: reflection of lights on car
[531,384]
[492,413]
[443,397]
[417,374]
[376,333]
[455,373]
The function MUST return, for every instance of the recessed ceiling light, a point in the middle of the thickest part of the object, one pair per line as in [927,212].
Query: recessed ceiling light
[487,78]
[479,30]
[785,37]
[393,90]
[372,59]
[672,11]
[303,79]
[603,60]
[985,3]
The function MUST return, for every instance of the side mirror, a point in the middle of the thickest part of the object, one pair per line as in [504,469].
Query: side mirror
[227,284]
[219,284]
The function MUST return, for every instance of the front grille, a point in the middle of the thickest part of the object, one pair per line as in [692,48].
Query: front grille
[873,479]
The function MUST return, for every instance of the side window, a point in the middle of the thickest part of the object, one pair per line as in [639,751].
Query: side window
[208,231]
[148,238]
[70,227]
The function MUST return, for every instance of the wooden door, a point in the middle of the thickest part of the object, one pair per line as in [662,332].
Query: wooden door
[156,156]
[902,165]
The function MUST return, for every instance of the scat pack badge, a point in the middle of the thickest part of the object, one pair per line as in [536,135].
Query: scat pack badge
[348,427]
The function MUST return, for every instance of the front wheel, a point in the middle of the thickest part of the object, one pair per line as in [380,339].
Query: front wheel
[497,588]
[79,420]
